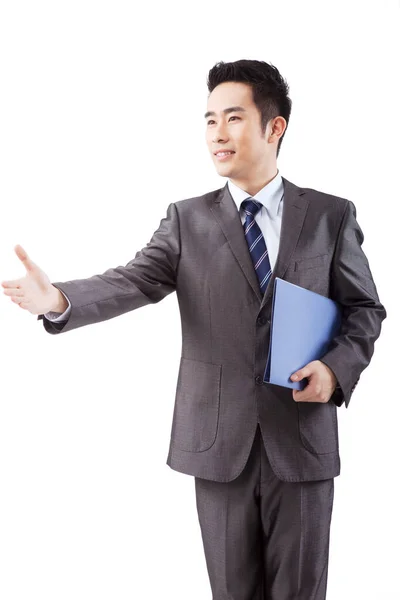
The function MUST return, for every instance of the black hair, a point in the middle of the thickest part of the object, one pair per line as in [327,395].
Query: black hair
[270,90]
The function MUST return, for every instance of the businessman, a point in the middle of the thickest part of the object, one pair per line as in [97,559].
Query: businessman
[263,457]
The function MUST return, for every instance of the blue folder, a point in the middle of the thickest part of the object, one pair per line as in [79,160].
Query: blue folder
[303,324]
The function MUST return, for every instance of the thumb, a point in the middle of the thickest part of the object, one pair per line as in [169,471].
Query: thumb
[24,258]
[301,373]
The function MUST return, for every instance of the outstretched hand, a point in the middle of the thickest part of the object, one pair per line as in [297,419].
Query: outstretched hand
[321,382]
[33,292]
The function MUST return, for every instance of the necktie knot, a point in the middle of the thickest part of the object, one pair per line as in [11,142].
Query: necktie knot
[251,206]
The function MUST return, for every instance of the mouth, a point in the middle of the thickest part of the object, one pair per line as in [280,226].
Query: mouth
[223,156]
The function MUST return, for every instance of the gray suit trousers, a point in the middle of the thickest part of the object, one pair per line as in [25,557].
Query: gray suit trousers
[264,538]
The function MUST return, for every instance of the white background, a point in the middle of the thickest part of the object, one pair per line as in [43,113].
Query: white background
[101,109]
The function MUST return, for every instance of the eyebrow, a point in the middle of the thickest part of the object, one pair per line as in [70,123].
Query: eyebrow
[226,111]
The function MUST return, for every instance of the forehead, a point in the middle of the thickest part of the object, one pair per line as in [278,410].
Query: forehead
[230,93]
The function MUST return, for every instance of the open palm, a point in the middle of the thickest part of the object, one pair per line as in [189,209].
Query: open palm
[34,292]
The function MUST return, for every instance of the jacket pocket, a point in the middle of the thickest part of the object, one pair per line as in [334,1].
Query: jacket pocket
[311,263]
[196,410]
[318,426]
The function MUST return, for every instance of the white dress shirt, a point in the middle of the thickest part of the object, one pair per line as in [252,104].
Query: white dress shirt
[269,219]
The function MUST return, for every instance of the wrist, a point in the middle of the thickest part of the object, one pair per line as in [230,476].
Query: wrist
[60,303]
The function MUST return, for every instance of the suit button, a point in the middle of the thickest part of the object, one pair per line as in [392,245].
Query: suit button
[259,380]
[261,321]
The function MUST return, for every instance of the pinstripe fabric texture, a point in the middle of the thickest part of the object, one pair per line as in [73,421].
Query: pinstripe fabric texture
[256,243]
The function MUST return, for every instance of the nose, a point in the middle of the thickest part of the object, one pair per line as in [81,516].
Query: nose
[218,138]
[219,134]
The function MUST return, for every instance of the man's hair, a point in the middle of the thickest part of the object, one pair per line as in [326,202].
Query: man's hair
[270,90]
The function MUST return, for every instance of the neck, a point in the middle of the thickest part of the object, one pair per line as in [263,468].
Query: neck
[253,186]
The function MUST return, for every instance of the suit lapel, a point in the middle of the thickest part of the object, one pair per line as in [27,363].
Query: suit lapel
[294,211]
[227,215]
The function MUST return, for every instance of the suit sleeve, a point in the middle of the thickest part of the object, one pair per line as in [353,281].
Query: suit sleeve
[145,279]
[353,287]
[56,317]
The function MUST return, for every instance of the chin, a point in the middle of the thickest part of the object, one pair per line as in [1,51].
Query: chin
[224,171]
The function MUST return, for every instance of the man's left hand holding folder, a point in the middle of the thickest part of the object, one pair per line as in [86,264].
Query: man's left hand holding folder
[321,382]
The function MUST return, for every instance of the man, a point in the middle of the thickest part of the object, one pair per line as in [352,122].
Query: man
[263,457]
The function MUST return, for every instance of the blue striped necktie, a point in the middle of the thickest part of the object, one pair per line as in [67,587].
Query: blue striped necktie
[255,241]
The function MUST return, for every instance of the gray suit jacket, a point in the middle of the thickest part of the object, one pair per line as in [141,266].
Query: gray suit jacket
[199,251]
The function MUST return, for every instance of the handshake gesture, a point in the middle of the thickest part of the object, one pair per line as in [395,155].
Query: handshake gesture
[34,292]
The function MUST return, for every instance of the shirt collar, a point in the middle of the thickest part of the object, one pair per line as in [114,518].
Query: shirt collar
[269,196]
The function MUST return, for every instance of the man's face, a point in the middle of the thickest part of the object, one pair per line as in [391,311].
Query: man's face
[240,131]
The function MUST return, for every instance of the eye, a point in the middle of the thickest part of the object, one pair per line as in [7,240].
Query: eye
[233,117]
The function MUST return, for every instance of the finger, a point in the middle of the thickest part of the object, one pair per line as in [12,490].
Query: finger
[306,394]
[299,375]
[24,258]
[13,292]
[302,395]
[306,400]
[306,371]
[311,393]
[15,283]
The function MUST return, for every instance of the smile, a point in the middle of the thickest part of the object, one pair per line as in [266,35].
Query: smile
[224,155]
